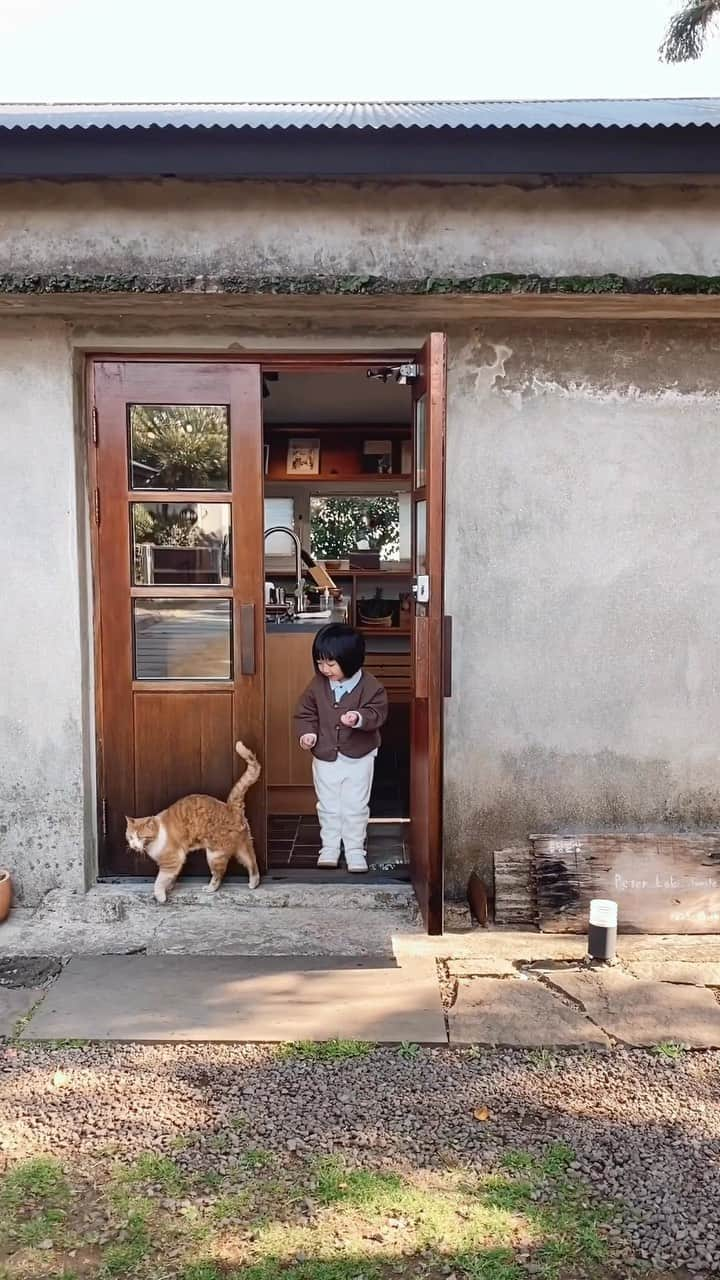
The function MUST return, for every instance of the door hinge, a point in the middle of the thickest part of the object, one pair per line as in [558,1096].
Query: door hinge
[94,423]
[400,373]
[103,817]
[97,506]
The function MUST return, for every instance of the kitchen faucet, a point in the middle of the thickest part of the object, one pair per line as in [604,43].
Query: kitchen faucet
[281,528]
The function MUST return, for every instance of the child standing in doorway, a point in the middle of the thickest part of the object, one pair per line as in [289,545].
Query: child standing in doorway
[339,718]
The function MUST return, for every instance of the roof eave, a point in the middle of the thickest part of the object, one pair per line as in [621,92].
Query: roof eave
[336,153]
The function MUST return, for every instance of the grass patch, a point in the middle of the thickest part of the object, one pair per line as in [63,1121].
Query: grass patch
[408,1050]
[315,1219]
[334,1184]
[325,1050]
[34,1199]
[543,1059]
[492,1264]
[202,1271]
[232,1205]
[669,1051]
[121,1259]
[256,1158]
[152,1170]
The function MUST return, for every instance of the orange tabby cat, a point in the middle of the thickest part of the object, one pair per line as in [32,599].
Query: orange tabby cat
[200,822]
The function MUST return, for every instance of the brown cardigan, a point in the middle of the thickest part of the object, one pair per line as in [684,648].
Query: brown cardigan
[317,712]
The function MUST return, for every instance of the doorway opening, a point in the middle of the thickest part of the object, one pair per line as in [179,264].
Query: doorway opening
[196,464]
[337,452]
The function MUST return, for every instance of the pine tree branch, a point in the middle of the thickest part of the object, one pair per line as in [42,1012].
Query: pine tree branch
[688,30]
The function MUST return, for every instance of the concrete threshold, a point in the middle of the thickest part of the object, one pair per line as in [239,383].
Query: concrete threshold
[280,920]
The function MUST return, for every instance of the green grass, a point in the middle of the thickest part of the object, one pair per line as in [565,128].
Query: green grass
[313,1219]
[202,1271]
[256,1158]
[408,1050]
[63,1044]
[335,1184]
[492,1264]
[325,1050]
[34,1199]
[669,1051]
[153,1170]
[543,1059]
[122,1259]
[39,1179]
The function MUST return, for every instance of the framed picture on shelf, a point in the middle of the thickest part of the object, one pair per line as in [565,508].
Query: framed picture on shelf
[303,457]
[406,458]
[377,457]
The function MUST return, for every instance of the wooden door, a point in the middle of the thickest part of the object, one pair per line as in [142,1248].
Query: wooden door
[178,508]
[428,520]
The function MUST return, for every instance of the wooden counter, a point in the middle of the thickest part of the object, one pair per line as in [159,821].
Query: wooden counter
[288,770]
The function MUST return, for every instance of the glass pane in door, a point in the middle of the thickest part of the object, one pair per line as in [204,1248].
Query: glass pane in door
[178,544]
[182,639]
[420,443]
[420,537]
[179,446]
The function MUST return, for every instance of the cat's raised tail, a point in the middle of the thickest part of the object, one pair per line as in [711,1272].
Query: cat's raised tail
[251,774]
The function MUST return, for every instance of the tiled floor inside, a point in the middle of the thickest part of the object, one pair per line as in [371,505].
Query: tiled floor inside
[294,844]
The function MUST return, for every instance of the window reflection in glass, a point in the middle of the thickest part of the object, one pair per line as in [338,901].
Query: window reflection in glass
[420,444]
[182,639]
[421,537]
[179,446]
[176,543]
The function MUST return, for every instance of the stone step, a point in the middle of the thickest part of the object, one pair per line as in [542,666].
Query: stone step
[114,900]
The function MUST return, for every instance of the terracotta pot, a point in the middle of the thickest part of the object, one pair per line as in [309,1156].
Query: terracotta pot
[5,894]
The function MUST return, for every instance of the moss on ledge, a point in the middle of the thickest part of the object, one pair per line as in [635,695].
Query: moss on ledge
[372,286]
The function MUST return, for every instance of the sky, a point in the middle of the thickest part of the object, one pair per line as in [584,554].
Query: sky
[315,50]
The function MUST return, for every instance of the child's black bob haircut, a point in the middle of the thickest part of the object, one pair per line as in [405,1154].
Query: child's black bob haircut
[342,644]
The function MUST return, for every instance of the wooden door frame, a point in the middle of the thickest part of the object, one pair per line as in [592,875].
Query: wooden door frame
[286,361]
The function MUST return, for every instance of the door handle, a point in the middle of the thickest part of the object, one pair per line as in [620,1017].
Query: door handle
[247,639]
[447,656]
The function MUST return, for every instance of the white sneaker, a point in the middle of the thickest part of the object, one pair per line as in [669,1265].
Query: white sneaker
[356,862]
[328,858]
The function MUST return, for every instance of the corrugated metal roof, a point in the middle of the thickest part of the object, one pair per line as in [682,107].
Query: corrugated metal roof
[600,113]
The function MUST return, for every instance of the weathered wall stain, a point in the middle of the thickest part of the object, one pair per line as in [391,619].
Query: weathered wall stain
[603,230]
[583,536]
[41,809]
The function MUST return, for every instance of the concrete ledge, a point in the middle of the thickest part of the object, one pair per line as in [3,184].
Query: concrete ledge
[110,901]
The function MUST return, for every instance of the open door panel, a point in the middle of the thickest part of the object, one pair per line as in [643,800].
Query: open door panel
[428,539]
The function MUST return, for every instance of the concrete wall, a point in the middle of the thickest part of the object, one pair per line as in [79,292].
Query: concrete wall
[255,228]
[583,533]
[42,800]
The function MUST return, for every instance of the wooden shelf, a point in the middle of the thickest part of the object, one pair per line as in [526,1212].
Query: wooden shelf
[358,478]
[337,574]
[372,573]
[383,631]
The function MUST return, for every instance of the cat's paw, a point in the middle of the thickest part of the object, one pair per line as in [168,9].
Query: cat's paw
[253,882]
[160,896]
[212,887]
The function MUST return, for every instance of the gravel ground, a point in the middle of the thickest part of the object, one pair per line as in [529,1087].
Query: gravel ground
[646,1132]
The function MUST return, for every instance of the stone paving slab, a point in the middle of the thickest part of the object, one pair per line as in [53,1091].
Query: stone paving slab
[701,973]
[235,998]
[482,967]
[644,1013]
[510,1013]
[15,1003]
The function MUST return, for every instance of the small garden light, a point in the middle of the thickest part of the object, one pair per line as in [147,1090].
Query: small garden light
[602,931]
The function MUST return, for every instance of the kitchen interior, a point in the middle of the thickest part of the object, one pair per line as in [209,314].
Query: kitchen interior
[337,462]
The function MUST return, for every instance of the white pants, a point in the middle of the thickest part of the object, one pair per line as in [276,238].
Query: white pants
[343,789]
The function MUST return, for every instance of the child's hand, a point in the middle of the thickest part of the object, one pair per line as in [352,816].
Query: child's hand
[308,740]
[351,719]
